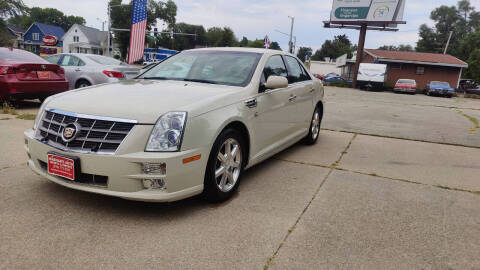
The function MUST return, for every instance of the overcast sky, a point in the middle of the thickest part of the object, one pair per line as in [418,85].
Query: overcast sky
[255,19]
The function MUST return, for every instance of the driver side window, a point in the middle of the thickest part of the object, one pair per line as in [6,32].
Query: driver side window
[274,66]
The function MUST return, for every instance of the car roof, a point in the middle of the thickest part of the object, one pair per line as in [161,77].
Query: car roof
[243,49]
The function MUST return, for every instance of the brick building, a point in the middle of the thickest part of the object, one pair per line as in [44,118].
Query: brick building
[421,67]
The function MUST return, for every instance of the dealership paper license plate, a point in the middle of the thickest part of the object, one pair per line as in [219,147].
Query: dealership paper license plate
[61,166]
[43,74]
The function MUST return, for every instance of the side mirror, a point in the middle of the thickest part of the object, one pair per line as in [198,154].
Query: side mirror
[275,82]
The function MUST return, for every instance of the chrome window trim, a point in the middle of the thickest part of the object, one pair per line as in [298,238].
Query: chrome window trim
[95,117]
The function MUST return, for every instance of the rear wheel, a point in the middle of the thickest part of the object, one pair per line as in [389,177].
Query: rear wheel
[315,124]
[225,166]
[82,83]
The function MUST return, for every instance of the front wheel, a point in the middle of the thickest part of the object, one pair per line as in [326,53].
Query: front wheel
[314,130]
[225,166]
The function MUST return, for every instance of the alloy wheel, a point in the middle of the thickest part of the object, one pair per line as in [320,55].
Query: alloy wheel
[228,165]
[315,124]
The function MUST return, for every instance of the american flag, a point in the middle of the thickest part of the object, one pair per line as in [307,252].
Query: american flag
[138,31]
[266,42]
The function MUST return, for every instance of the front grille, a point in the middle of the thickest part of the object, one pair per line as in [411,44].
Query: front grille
[96,134]
[85,178]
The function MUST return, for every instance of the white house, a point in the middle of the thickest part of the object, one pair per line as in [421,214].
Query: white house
[84,39]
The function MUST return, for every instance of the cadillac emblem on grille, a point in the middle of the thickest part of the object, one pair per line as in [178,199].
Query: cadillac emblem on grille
[70,132]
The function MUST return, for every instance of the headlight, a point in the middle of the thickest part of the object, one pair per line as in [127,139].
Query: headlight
[40,113]
[167,134]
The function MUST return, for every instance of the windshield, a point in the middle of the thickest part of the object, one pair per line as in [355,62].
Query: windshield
[406,81]
[216,67]
[103,60]
[445,84]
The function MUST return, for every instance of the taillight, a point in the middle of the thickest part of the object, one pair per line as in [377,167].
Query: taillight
[61,71]
[6,70]
[113,74]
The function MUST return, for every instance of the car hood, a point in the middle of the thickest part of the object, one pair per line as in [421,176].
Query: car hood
[145,100]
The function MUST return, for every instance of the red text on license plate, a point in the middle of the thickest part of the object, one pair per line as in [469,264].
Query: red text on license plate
[60,166]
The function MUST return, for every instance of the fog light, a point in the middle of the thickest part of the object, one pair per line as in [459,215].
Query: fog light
[153,183]
[155,168]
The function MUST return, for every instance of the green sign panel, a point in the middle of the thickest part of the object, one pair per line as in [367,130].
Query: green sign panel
[352,13]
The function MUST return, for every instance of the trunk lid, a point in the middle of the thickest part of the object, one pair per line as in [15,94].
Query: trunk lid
[39,72]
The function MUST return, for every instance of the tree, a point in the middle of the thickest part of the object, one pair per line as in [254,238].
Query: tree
[9,8]
[221,37]
[257,43]
[243,42]
[275,46]
[461,20]
[182,42]
[335,48]
[156,10]
[304,53]
[473,71]
[48,16]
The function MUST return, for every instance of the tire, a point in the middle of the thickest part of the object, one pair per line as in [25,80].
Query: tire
[82,83]
[315,124]
[219,186]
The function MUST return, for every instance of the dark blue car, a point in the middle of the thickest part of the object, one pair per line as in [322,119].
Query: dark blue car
[440,89]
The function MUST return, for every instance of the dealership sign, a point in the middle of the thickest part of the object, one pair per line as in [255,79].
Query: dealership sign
[49,40]
[367,11]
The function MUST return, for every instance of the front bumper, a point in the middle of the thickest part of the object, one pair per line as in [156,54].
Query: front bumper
[124,172]
[405,90]
[441,92]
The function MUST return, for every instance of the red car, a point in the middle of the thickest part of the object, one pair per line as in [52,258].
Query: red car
[406,86]
[24,75]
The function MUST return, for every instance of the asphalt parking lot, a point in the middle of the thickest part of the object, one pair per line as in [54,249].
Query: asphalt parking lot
[393,183]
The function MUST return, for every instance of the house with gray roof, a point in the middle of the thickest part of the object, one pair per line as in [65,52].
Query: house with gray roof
[17,33]
[84,39]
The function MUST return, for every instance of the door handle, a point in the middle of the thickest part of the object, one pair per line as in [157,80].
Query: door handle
[292,98]
[251,103]
[78,69]
[312,90]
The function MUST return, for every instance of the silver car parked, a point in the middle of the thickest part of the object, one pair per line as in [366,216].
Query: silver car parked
[84,70]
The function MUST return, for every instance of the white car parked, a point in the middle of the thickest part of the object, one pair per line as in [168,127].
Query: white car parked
[190,125]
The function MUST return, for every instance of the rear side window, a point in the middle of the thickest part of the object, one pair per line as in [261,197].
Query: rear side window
[107,61]
[275,67]
[16,55]
[296,73]
[53,59]
[70,60]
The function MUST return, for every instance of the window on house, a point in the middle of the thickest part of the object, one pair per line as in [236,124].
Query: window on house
[36,36]
[420,70]
[76,39]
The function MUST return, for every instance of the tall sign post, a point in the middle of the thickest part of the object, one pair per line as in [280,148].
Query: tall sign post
[364,15]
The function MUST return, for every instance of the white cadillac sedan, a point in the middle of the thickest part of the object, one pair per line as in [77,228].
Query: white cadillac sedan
[189,125]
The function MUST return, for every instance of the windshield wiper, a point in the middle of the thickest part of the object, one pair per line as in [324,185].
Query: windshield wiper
[200,81]
[155,78]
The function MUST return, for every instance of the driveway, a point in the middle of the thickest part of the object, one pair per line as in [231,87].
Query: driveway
[392,184]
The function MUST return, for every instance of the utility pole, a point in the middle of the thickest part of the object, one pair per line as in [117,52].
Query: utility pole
[361,46]
[448,42]
[108,34]
[290,43]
